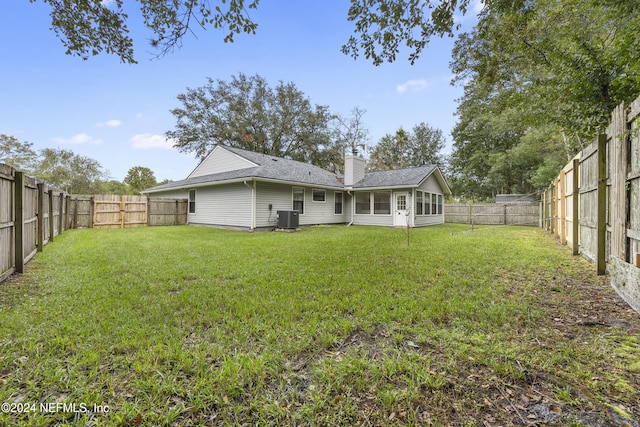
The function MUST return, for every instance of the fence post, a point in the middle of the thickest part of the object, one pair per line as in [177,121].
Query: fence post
[505,213]
[61,218]
[601,264]
[543,210]
[92,202]
[52,231]
[19,221]
[74,221]
[67,215]
[40,226]
[562,209]
[576,210]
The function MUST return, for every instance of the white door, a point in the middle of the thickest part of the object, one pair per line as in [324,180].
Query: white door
[401,211]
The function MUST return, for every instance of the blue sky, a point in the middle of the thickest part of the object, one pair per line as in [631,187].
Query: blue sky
[118,113]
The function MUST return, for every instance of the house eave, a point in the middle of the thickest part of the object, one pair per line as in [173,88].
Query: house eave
[242,180]
[384,187]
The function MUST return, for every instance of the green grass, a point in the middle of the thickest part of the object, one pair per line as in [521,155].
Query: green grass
[327,326]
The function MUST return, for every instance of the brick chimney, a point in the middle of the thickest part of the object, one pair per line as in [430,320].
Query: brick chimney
[353,169]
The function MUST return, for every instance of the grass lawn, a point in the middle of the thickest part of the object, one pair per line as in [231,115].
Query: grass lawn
[326,326]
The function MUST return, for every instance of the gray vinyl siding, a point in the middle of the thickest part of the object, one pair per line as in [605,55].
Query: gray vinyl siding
[384,220]
[226,205]
[280,196]
[423,220]
[430,185]
[373,219]
[170,194]
[218,161]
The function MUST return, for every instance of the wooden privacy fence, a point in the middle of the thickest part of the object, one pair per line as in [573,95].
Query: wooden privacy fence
[114,211]
[594,204]
[494,214]
[32,214]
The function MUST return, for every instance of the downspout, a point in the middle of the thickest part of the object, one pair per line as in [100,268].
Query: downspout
[253,204]
[353,209]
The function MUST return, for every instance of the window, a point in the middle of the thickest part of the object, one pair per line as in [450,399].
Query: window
[363,203]
[427,203]
[338,203]
[298,200]
[418,202]
[434,204]
[192,201]
[382,202]
[318,195]
[439,204]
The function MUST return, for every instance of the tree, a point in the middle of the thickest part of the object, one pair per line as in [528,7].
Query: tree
[426,145]
[70,172]
[381,27]
[565,62]
[247,113]
[139,178]
[87,28]
[18,155]
[350,132]
[419,147]
[112,187]
[539,80]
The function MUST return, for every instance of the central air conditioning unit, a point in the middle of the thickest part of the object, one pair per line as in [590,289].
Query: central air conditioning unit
[288,219]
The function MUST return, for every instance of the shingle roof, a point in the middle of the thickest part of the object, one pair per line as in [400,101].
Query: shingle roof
[280,169]
[395,178]
[269,167]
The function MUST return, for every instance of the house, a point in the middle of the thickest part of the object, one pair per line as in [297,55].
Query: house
[244,189]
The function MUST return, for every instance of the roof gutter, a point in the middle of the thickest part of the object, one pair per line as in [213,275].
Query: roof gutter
[244,180]
[352,208]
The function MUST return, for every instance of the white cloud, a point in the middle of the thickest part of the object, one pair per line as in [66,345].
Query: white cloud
[413,86]
[145,141]
[79,139]
[109,124]
[477,6]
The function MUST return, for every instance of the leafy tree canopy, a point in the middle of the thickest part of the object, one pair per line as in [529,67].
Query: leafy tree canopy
[540,80]
[247,113]
[381,27]
[139,178]
[89,27]
[18,155]
[421,146]
[70,172]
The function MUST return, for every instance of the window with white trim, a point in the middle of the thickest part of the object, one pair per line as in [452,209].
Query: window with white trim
[427,203]
[434,204]
[192,201]
[363,203]
[337,203]
[419,203]
[382,202]
[439,204]
[318,195]
[298,199]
